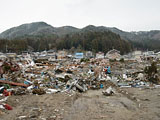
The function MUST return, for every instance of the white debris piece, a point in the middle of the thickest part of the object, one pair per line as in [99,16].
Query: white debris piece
[140,76]
[124,76]
[4,99]
[108,78]
[30,87]
[1,107]
[50,91]
[109,91]
[22,117]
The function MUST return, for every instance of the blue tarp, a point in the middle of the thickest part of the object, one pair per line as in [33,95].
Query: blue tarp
[79,55]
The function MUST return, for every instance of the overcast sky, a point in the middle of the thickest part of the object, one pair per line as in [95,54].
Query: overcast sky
[128,15]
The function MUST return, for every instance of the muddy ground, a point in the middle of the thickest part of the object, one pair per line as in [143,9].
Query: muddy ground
[135,104]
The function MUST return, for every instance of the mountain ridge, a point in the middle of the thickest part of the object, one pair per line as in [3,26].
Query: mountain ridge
[140,40]
[37,28]
[41,36]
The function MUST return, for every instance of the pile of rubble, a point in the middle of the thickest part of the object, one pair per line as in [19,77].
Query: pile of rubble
[27,77]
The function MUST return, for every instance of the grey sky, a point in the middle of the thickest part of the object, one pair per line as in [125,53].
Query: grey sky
[128,15]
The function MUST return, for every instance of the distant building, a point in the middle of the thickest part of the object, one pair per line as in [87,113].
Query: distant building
[43,53]
[149,55]
[137,55]
[79,55]
[11,55]
[51,55]
[113,54]
[51,52]
[25,53]
[157,55]
[69,56]
[2,56]
[89,54]
[99,55]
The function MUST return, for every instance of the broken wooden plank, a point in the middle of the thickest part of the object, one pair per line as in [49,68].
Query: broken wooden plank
[13,83]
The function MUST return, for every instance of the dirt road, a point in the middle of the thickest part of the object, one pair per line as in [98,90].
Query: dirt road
[92,105]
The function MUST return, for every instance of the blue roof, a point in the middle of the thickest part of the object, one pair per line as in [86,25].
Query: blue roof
[79,54]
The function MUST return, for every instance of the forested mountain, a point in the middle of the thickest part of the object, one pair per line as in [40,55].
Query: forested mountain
[37,28]
[94,41]
[40,36]
[66,30]
[144,40]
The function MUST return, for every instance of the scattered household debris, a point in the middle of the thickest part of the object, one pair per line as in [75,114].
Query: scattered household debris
[28,76]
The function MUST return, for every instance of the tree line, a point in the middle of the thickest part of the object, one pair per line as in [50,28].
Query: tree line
[92,41]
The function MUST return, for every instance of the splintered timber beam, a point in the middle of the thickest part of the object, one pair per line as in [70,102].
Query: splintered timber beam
[13,83]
